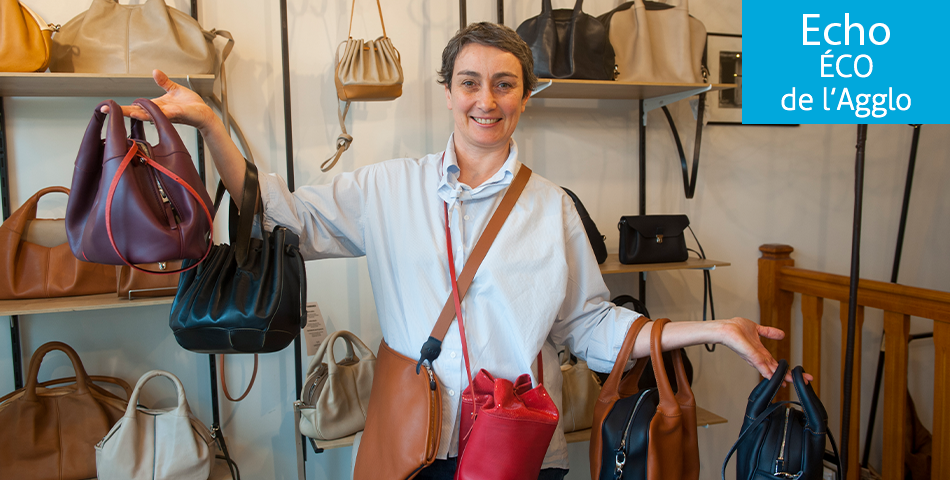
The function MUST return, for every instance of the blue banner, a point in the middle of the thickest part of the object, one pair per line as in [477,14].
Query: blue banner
[844,62]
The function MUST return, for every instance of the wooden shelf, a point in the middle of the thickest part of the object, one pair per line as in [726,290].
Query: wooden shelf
[76,304]
[704,418]
[93,85]
[601,89]
[612,265]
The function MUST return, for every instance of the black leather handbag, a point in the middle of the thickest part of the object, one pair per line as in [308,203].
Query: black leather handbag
[593,235]
[781,442]
[568,44]
[247,297]
[653,239]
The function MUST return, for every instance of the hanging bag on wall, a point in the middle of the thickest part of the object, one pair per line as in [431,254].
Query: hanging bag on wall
[335,397]
[645,434]
[367,70]
[156,444]
[50,433]
[778,441]
[406,398]
[247,297]
[36,262]
[133,202]
[25,38]
[568,43]
[656,42]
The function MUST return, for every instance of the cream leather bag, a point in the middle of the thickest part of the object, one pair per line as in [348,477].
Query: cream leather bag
[656,42]
[156,444]
[367,70]
[336,394]
[579,392]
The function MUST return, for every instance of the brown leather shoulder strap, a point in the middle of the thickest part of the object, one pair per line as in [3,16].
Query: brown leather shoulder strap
[481,249]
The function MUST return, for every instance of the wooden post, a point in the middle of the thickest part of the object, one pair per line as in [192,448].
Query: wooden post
[896,336]
[854,462]
[941,426]
[775,305]
[812,310]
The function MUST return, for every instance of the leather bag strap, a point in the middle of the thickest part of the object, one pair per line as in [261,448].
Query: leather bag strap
[433,346]
[134,152]
[613,388]
[224,380]
[481,249]
[342,142]
[82,379]
[689,181]
[669,403]
[349,33]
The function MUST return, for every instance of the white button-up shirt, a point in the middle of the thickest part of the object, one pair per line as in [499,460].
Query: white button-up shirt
[538,286]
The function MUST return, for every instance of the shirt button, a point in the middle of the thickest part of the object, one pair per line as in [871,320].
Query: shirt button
[468,217]
[453,354]
[451,393]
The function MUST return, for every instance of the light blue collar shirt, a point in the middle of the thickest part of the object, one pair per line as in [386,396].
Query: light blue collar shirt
[538,286]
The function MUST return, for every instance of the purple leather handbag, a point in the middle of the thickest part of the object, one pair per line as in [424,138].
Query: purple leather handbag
[132,202]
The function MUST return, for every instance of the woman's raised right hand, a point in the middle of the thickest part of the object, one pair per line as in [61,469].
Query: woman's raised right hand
[179,104]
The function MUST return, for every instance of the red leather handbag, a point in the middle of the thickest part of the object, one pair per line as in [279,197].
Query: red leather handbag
[506,427]
[132,202]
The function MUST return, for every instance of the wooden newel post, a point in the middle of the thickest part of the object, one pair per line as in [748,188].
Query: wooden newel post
[775,305]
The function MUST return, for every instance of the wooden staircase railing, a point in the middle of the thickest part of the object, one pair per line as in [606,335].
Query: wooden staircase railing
[779,281]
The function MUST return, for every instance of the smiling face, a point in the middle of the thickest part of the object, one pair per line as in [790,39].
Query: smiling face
[485,98]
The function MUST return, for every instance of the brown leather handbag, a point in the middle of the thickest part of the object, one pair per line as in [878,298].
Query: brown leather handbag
[51,433]
[645,434]
[35,260]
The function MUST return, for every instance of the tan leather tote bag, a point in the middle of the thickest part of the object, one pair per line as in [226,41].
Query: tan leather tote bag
[656,42]
[156,444]
[36,261]
[367,70]
[579,392]
[24,38]
[51,433]
[335,397]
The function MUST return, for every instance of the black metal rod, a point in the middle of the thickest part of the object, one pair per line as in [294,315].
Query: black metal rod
[898,250]
[194,9]
[908,184]
[853,297]
[642,138]
[462,17]
[501,11]
[4,172]
[285,70]
[16,352]
[215,413]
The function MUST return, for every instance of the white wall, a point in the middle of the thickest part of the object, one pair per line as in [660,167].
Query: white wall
[756,185]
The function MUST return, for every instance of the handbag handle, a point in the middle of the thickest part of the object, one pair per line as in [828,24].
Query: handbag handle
[669,403]
[181,410]
[617,385]
[27,212]
[82,379]
[326,350]
[546,6]
[349,33]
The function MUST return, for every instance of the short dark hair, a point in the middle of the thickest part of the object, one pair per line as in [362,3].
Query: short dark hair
[492,35]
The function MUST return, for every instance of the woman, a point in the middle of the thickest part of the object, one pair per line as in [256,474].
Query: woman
[540,284]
